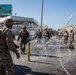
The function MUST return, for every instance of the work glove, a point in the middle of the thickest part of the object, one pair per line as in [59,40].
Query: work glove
[18,55]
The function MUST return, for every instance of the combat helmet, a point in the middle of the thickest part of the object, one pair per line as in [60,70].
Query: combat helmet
[24,27]
[8,22]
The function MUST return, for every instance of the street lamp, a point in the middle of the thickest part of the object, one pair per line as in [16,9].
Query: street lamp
[15,14]
[42,15]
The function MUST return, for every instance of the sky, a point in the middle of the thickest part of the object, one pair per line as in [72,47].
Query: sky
[56,13]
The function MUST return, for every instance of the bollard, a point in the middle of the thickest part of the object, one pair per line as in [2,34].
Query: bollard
[29,51]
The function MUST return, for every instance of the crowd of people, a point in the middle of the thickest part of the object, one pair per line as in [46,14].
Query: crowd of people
[7,43]
[67,37]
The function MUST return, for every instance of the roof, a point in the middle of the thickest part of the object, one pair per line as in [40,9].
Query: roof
[18,19]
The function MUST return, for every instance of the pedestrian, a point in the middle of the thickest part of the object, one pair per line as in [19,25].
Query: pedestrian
[38,36]
[71,35]
[46,35]
[60,34]
[6,45]
[24,35]
[66,36]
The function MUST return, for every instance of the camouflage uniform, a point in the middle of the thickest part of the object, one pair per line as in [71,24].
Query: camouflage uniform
[24,35]
[38,36]
[66,36]
[46,35]
[71,36]
[5,54]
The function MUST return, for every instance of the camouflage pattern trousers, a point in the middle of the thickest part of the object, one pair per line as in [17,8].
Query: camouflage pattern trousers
[6,61]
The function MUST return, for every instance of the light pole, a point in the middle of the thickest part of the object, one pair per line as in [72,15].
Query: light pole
[15,14]
[42,15]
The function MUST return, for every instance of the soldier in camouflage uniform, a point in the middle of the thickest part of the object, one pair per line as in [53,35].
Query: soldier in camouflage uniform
[66,37]
[46,35]
[24,35]
[38,36]
[10,45]
[71,36]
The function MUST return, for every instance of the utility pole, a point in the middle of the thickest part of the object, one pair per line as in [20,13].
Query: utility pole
[15,14]
[42,15]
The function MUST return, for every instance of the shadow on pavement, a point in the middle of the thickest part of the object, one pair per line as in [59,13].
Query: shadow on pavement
[21,70]
[24,70]
[40,62]
[40,73]
[43,55]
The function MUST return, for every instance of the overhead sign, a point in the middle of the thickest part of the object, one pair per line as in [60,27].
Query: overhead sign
[5,10]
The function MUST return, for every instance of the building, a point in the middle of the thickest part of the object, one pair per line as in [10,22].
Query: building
[30,23]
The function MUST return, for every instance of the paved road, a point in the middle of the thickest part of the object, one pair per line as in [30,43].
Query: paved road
[46,59]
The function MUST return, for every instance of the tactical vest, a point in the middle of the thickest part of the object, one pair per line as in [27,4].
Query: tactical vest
[24,34]
[38,33]
[46,33]
[2,38]
[65,34]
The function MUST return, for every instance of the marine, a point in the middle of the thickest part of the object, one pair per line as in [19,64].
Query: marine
[6,59]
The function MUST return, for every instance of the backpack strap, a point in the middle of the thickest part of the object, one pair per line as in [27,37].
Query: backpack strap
[4,33]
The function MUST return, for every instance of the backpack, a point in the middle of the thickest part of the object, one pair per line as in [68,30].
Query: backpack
[2,38]
[65,34]
[46,33]
[25,34]
[38,33]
